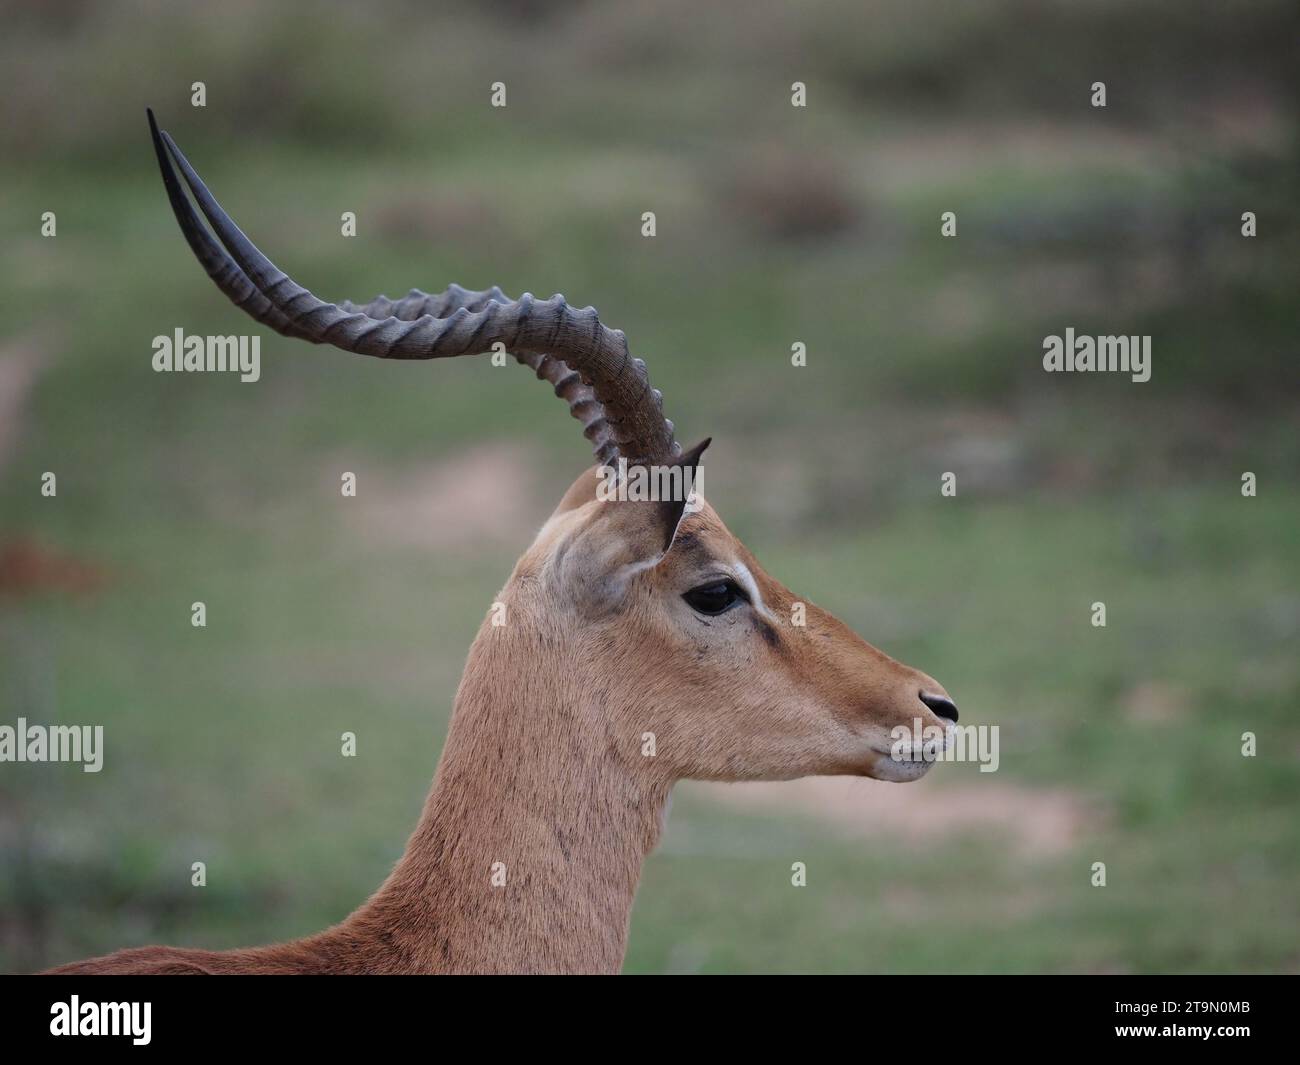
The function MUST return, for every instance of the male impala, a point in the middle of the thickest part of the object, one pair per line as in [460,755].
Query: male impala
[623,618]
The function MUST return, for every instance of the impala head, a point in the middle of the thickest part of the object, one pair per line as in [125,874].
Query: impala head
[653,609]
[690,639]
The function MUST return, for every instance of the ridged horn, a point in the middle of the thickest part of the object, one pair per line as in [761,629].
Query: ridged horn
[588,364]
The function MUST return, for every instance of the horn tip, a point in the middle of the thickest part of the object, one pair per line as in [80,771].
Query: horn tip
[692,457]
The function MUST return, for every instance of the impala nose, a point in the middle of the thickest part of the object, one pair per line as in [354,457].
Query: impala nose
[941,705]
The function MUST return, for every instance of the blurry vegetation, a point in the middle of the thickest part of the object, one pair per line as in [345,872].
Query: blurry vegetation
[775,224]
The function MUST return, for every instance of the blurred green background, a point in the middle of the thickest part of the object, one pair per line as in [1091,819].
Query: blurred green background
[775,225]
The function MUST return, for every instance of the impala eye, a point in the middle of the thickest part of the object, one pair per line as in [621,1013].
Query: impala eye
[716,597]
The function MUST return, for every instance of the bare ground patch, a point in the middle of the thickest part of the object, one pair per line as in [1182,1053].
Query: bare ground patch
[20,363]
[1039,823]
[485,494]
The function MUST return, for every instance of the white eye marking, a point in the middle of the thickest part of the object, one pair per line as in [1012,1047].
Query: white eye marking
[746,580]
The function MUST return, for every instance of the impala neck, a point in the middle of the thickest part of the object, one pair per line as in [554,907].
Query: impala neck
[530,847]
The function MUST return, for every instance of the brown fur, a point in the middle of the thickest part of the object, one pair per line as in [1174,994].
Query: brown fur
[544,771]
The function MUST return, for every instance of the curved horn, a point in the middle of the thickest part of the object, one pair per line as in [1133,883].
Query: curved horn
[567,382]
[223,270]
[211,256]
[588,364]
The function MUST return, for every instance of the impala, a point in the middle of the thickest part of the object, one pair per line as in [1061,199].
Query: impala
[626,621]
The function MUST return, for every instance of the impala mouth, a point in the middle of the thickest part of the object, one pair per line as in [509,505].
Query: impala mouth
[898,770]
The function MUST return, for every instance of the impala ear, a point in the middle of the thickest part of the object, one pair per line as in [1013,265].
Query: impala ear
[632,525]
[664,521]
